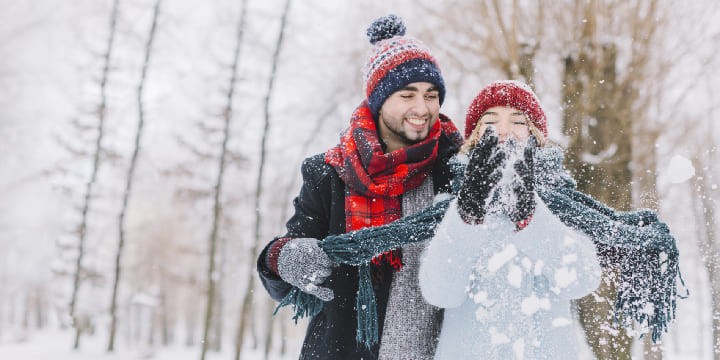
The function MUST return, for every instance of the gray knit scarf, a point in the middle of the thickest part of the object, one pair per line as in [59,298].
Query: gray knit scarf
[635,242]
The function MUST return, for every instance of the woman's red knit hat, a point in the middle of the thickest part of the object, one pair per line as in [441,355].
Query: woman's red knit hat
[509,93]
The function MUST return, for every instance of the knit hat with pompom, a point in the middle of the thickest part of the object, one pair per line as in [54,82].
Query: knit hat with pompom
[510,93]
[395,61]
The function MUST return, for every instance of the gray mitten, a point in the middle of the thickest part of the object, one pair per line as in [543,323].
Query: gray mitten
[305,265]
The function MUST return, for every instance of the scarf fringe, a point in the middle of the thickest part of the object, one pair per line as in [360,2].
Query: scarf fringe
[640,246]
[303,304]
[367,322]
[647,296]
[647,290]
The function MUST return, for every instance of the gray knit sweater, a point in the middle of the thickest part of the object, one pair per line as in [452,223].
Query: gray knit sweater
[412,326]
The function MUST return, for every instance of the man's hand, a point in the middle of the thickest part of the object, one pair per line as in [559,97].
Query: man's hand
[481,175]
[305,265]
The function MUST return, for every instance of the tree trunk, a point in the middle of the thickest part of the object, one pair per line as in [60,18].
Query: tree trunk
[319,123]
[217,324]
[168,328]
[129,179]
[283,339]
[268,333]
[598,155]
[247,298]
[27,309]
[152,323]
[645,160]
[190,324]
[40,308]
[704,206]
[526,63]
[82,230]
[645,195]
[648,198]
[217,213]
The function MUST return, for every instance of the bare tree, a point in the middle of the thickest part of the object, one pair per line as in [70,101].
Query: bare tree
[331,108]
[82,230]
[507,39]
[130,177]
[602,106]
[217,207]
[598,159]
[246,304]
[704,203]
[704,206]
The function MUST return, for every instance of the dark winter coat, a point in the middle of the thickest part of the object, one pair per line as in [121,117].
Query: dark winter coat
[319,212]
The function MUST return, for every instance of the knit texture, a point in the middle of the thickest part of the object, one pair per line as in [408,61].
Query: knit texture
[395,61]
[636,242]
[375,180]
[508,93]
[412,326]
[304,264]
[274,253]
[358,248]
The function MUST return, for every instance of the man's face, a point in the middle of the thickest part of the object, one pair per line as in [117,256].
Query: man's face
[407,115]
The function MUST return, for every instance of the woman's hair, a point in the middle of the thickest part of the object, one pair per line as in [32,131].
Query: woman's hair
[475,136]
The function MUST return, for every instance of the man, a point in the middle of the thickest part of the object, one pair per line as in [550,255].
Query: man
[390,163]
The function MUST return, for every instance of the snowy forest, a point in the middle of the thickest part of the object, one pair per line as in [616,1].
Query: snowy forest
[150,149]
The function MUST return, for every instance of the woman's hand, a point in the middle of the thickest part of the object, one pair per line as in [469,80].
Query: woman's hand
[525,189]
[483,172]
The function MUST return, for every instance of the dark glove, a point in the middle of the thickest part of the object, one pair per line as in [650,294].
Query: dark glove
[303,264]
[525,188]
[482,173]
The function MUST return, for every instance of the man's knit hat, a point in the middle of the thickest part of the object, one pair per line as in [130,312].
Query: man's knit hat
[509,93]
[395,61]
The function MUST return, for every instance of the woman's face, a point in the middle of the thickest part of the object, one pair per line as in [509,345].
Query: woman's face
[508,122]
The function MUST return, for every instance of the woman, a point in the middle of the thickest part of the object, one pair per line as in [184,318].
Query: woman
[502,265]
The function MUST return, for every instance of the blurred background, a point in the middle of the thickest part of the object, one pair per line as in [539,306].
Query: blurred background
[151,148]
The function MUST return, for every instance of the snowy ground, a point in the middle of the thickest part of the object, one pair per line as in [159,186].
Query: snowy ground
[56,345]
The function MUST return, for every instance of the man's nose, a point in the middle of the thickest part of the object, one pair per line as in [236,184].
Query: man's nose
[421,106]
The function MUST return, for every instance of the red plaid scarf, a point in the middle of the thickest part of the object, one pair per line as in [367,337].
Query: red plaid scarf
[375,180]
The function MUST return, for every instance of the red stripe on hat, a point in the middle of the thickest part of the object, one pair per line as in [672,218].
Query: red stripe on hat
[391,63]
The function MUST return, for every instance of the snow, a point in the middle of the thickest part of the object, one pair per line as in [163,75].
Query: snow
[515,276]
[501,258]
[511,295]
[503,198]
[50,62]
[532,304]
[598,158]
[56,345]
[569,259]
[561,321]
[497,337]
[679,169]
[145,299]
[565,276]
